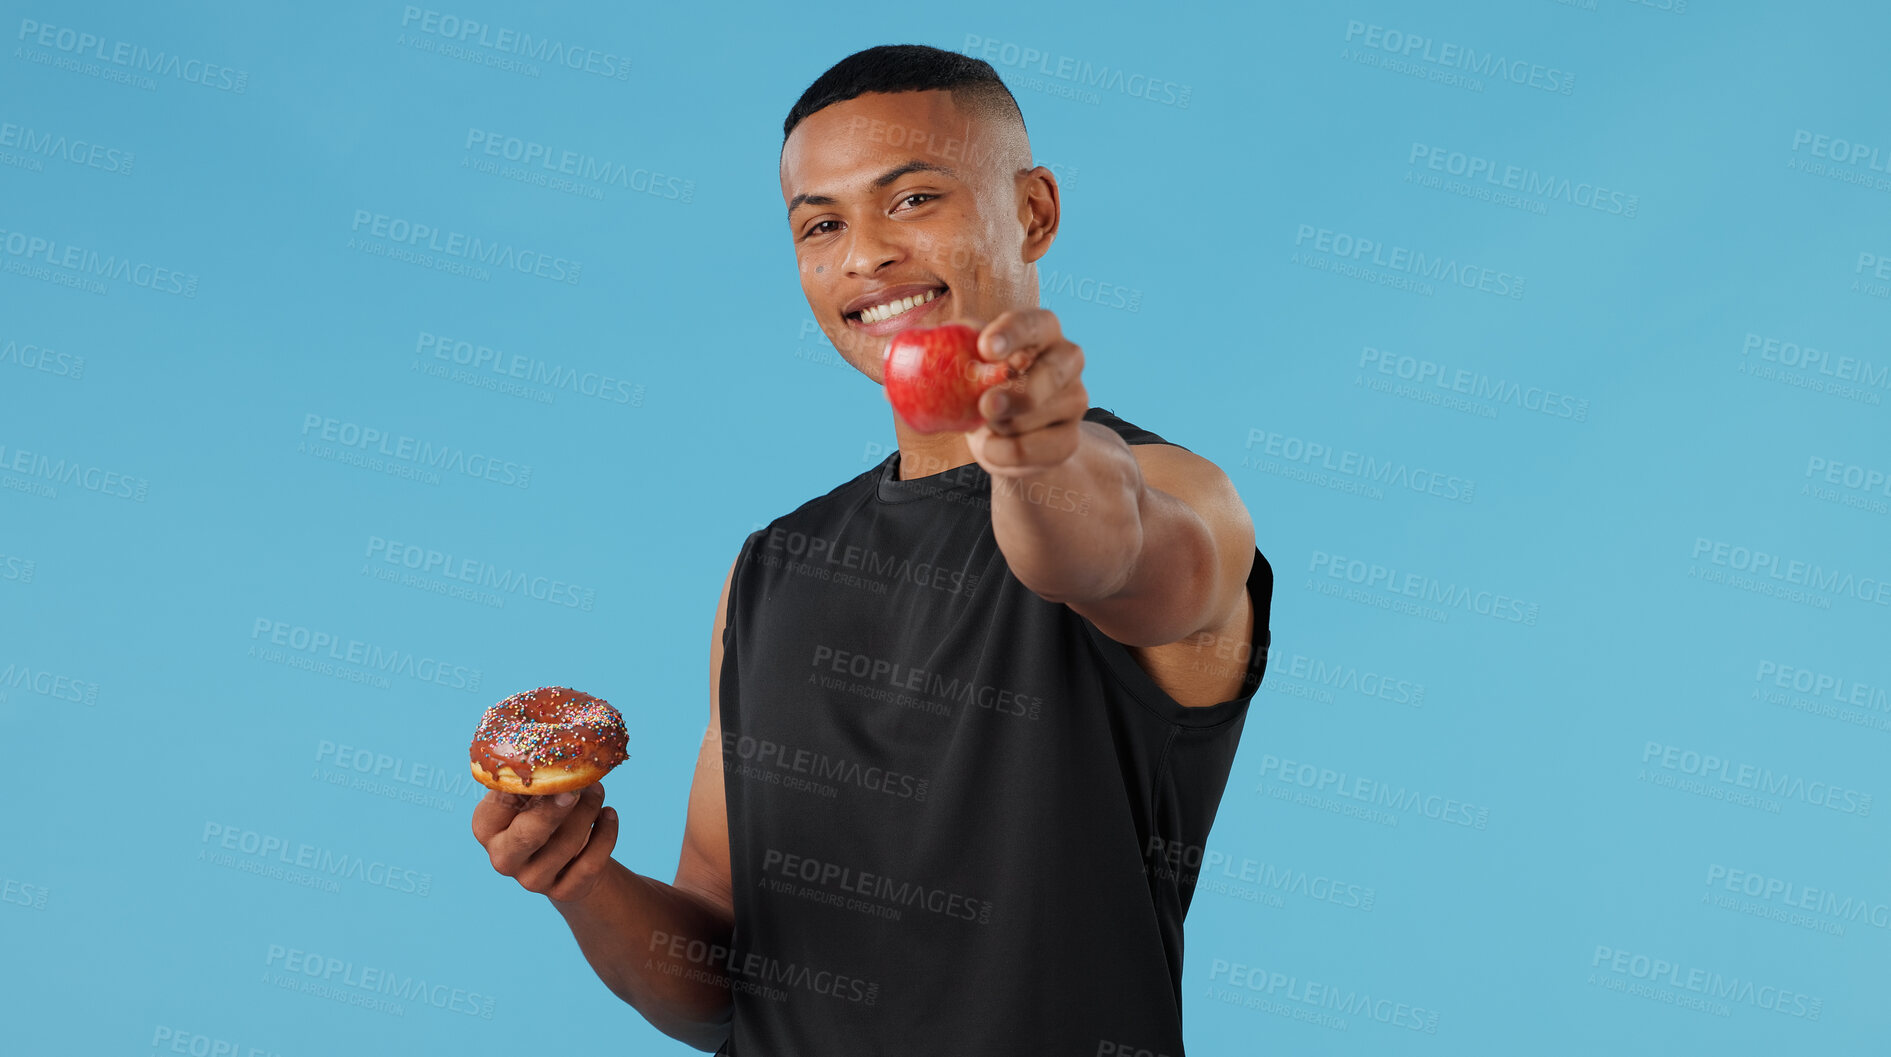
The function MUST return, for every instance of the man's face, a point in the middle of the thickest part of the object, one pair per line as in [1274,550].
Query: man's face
[898,196]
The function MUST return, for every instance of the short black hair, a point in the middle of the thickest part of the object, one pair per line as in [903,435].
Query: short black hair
[974,85]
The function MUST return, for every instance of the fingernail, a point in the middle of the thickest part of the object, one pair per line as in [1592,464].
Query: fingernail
[565,799]
[999,345]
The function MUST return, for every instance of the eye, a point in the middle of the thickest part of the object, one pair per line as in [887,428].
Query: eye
[918,194]
[815,229]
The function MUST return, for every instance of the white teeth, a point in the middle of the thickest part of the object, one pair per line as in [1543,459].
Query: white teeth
[881,313]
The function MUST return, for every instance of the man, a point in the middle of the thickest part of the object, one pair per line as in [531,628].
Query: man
[972,712]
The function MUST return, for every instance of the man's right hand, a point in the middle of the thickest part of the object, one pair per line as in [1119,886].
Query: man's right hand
[557,846]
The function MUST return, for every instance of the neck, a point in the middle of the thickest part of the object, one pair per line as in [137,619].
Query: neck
[925,454]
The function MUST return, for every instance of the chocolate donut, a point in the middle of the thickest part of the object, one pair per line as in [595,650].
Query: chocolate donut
[547,740]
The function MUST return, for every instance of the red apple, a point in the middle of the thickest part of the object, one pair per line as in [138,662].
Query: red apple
[934,377]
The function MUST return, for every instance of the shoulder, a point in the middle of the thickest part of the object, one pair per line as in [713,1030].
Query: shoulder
[822,515]
[1170,466]
[1136,436]
[838,500]
[1201,485]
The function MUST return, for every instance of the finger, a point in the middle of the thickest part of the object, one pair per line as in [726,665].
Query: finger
[1043,396]
[1022,330]
[494,813]
[527,833]
[567,839]
[584,871]
[1063,362]
[1009,415]
[1028,451]
[565,843]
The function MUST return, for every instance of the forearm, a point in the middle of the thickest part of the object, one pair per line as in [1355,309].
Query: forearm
[659,948]
[1071,533]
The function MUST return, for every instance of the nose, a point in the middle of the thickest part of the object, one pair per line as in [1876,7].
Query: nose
[871,249]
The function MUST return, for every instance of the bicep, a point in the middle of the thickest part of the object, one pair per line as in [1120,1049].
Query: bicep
[1197,549]
[703,867]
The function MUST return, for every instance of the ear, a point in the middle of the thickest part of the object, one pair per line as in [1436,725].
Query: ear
[1039,210]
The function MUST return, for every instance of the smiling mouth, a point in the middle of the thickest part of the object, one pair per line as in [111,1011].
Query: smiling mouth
[884,312]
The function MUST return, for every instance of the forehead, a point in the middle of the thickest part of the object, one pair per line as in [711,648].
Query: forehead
[855,140]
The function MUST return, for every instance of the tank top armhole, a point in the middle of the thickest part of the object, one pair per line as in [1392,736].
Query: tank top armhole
[1131,676]
[728,677]
[733,607]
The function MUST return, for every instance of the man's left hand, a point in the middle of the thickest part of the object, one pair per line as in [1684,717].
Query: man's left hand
[1034,420]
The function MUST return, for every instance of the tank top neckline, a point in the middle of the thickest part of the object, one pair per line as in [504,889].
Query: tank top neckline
[967,480]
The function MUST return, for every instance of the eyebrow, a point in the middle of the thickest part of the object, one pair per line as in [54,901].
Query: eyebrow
[882,180]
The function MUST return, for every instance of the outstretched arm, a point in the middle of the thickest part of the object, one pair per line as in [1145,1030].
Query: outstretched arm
[1152,545]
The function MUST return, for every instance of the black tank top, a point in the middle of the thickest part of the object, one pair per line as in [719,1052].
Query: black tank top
[954,807]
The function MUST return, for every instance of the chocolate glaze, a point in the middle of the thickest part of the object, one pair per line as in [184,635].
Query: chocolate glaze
[547,727]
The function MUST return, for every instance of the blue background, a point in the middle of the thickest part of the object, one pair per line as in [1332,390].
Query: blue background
[152,590]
